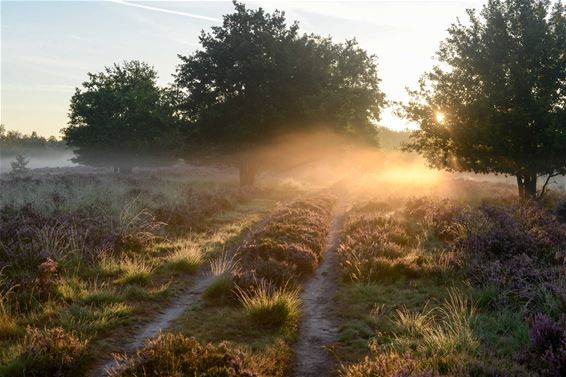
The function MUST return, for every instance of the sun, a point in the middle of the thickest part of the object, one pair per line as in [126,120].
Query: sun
[440,117]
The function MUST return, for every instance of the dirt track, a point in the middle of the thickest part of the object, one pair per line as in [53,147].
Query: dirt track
[166,317]
[319,328]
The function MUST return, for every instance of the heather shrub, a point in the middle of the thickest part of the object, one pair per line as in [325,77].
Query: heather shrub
[516,249]
[177,355]
[509,231]
[194,206]
[377,248]
[48,352]
[287,248]
[385,364]
[547,350]
[437,217]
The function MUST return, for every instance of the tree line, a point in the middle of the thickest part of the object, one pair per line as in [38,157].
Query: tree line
[495,103]
[14,142]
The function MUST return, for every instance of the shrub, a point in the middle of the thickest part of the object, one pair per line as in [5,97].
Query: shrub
[178,355]
[518,250]
[385,364]
[287,248]
[20,166]
[547,350]
[49,352]
[195,205]
[375,248]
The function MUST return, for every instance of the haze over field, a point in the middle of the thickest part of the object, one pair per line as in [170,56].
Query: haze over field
[48,47]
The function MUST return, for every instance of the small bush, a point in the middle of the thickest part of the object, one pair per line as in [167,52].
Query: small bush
[385,364]
[288,247]
[271,308]
[20,166]
[177,355]
[49,352]
[547,350]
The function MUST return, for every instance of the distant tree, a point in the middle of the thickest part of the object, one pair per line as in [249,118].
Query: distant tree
[256,78]
[121,118]
[497,101]
[20,166]
[14,142]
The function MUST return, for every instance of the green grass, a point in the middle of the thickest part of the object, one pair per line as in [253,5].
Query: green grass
[134,271]
[408,309]
[220,289]
[187,257]
[271,347]
[271,308]
[90,319]
[99,293]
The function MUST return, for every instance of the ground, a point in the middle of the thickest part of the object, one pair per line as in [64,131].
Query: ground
[181,271]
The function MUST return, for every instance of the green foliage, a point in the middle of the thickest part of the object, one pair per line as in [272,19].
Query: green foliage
[256,78]
[501,90]
[20,165]
[120,117]
[13,143]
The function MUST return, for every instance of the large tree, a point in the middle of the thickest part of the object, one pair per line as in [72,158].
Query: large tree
[256,78]
[121,118]
[496,103]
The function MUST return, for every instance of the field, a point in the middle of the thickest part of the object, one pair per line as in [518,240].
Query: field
[180,272]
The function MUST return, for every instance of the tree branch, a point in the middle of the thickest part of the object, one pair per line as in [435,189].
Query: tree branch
[544,187]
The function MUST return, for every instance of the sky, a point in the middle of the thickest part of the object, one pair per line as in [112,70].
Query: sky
[48,47]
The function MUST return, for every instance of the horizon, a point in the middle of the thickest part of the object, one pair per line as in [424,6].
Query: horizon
[49,47]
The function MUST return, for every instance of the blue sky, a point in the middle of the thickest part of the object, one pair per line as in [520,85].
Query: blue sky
[48,47]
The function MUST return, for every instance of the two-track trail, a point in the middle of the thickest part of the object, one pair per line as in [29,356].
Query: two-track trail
[161,322]
[319,328]
[166,317]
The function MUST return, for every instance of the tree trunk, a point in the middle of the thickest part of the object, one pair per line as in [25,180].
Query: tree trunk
[527,185]
[248,172]
[126,169]
[531,186]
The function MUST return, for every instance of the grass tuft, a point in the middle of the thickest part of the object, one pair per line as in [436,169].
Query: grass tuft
[271,308]
[186,258]
[134,271]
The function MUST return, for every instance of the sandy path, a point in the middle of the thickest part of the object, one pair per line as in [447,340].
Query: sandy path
[318,327]
[167,316]
[161,322]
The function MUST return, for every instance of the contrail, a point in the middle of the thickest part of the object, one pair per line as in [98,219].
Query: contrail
[165,10]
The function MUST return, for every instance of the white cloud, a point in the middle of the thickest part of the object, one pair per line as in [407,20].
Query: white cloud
[164,10]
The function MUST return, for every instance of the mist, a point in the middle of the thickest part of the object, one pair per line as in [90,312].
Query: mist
[39,159]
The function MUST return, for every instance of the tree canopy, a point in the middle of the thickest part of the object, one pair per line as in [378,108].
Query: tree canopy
[496,103]
[257,78]
[121,118]
[14,142]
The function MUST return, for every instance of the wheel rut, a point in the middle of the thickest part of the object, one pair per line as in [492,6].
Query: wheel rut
[319,328]
[166,317]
